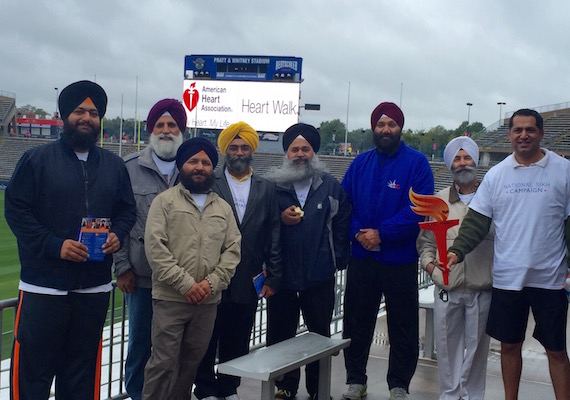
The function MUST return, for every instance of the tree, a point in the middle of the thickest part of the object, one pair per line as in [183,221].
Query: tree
[38,112]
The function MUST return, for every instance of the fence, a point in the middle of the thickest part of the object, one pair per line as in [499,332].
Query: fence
[115,337]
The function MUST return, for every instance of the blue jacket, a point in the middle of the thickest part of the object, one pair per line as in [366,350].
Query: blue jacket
[377,186]
[50,191]
[316,247]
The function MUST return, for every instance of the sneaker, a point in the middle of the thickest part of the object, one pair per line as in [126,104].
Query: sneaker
[398,393]
[283,394]
[356,391]
[210,398]
[232,397]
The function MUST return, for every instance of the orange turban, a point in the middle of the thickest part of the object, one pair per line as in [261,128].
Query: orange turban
[241,129]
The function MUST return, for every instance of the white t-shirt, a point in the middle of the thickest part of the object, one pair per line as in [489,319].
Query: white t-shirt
[529,206]
[302,190]
[166,168]
[240,193]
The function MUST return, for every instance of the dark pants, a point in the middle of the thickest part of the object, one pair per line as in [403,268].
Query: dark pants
[230,338]
[317,304]
[367,281]
[58,336]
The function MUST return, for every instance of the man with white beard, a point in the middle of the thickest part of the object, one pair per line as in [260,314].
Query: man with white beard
[461,307]
[152,171]
[315,221]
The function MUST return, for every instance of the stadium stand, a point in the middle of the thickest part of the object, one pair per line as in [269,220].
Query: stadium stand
[8,110]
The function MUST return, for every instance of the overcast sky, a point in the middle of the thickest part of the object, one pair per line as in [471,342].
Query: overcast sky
[435,56]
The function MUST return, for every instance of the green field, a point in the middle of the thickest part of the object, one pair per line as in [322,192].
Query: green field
[9,277]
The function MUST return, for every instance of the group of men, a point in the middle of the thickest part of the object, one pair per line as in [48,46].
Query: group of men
[187,241]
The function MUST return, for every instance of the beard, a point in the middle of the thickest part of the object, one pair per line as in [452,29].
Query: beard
[189,182]
[296,170]
[239,164]
[80,139]
[166,149]
[464,175]
[386,143]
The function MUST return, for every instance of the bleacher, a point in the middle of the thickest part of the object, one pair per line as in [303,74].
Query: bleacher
[8,110]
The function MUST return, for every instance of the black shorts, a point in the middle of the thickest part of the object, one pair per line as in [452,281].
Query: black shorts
[508,316]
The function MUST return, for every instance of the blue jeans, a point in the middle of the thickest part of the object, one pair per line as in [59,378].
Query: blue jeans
[139,305]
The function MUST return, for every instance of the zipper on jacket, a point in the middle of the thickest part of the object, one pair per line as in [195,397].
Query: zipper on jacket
[86,181]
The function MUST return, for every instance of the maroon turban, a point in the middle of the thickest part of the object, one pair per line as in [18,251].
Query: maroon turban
[173,107]
[390,110]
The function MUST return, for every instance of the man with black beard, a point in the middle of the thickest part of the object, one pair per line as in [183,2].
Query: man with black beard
[462,306]
[384,261]
[254,204]
[64,285]
[315,219]
[152,171]
[192,243]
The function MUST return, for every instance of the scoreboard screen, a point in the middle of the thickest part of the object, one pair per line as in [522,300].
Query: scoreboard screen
[243,68]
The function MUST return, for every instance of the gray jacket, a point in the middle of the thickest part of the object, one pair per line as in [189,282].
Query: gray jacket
[147,182]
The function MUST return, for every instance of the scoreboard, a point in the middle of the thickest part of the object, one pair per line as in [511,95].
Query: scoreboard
[263,91]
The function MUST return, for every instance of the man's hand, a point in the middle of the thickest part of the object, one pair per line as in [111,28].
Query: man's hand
[72,250]
[452,259]
[126,282]
[429,268]
[290,217]
[112,244]
[199,292]
[369,238]
[266,292]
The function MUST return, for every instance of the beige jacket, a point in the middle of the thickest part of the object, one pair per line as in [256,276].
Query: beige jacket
[475,272]
[184,246]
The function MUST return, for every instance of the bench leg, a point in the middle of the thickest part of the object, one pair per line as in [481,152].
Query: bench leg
[325,378]
[429,337]
[268,390]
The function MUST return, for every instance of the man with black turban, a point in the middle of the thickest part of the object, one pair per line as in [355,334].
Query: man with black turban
[152,171]
[65,283]
[315,218]
[254,204]
[384,261]
[192,243]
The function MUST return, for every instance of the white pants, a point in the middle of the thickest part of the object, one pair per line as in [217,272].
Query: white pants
[462,344]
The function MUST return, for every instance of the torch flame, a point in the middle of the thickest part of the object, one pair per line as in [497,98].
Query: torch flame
[429,206]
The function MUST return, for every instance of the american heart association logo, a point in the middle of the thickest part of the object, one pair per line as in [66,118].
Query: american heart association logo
[191,96]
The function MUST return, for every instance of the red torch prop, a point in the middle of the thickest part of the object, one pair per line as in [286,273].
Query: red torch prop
[435,207]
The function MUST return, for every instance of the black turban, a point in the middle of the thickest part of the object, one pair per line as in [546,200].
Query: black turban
[76,93]
[194,146]
[309,132]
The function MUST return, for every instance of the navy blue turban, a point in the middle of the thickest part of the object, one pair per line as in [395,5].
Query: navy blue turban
[194,146]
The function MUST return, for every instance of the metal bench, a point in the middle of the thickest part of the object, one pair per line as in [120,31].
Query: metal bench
[268,363]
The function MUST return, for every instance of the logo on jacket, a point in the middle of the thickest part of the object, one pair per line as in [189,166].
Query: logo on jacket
[393,185]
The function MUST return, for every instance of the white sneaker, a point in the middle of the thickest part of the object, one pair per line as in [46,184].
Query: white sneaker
[232,397]
[398,393]
[211,398]
[355,391]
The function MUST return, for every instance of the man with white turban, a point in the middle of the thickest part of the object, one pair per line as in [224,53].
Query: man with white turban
[254,203]
[461,307]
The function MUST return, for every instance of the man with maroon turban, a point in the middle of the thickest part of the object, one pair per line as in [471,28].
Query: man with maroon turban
[152,171]
[384,261]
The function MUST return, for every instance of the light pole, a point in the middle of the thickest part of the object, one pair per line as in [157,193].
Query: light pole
[468,112]
[501,104]
[56,100]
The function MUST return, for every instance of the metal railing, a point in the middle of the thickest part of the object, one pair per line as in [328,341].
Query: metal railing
[115,336]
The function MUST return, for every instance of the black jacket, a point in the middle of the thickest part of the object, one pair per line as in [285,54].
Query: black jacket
[260,237]
[50,191]
[317,246]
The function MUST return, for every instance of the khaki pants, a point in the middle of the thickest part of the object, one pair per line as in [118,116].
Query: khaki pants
[180,336]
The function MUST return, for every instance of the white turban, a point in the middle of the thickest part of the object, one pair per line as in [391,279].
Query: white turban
[460,142]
